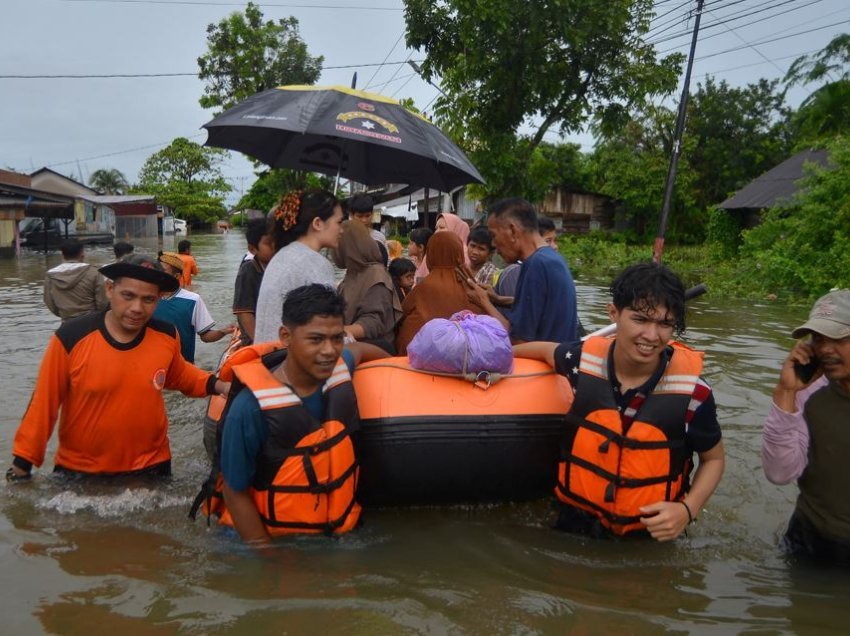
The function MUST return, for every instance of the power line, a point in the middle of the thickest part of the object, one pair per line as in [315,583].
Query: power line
[239,4]
[401,88]
[760,54]
[124,75]
[776,59]
[397,79]
[120,152]
[737,16]
[386,57]
[784,37]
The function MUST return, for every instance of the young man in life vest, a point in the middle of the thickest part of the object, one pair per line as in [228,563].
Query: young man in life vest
[106,371]
[287,459]
[640,411]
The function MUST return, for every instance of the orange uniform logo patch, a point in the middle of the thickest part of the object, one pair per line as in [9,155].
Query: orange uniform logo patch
[159,379]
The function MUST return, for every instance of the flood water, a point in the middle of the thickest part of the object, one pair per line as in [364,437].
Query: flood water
[127,561]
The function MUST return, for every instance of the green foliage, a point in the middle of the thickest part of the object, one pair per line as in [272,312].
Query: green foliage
[504,64]
[826,112]
[805,249]
[109,181]
[187,177]
[246,55]
[631,166]
[732,135]
[723,232]
[823,114]
[738,134]
[272,184]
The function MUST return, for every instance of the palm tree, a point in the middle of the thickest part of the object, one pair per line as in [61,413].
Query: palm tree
[109,181]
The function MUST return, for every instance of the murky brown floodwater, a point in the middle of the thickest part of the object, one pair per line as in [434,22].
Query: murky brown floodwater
[113,560]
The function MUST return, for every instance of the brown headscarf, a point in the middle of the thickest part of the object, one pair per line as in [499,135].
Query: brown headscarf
[457,225]
[441,293]
[365,267]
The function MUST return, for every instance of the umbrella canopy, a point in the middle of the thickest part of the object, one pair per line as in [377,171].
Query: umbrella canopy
[363,136]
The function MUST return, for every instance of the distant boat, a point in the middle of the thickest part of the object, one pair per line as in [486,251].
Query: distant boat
[180,226]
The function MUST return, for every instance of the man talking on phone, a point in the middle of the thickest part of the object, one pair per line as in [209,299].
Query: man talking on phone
[807,433]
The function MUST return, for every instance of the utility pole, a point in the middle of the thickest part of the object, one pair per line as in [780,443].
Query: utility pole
[670,183]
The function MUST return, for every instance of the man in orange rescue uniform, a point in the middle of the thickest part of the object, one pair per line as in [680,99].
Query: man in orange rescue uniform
[106,371]
[640,412]
[287,459]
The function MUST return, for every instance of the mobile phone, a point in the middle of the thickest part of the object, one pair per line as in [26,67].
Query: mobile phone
[806,371]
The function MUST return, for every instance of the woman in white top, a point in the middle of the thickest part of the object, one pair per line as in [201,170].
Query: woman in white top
[301,225]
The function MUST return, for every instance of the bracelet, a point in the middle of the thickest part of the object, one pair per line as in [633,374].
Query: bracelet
[688,508]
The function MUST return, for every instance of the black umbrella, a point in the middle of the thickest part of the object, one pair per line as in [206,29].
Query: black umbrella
[335,130]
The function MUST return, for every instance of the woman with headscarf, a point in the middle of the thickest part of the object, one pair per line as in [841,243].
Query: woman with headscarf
[447,222]
[441,294]
[372,308]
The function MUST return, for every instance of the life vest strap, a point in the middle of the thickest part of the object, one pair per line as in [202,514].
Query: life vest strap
[318,447]
[314,487]
[327,527]
[614,519]
[621,440]
[621,482]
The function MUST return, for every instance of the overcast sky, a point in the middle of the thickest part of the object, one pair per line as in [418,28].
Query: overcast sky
[79,125]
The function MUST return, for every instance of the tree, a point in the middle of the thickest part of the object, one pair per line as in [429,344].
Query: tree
[270,185]
[738,134]
[631,165]
[246,55]
[826,112]
[187,177]
[109,181]
[545,63]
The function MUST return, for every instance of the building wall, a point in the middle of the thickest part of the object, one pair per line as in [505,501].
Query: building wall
[579,212]
[7,238]
[136,226]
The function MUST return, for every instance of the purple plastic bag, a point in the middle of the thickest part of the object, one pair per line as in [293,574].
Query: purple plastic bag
[467,343]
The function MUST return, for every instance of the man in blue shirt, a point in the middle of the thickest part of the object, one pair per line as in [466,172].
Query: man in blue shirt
[544,306]
[305,402]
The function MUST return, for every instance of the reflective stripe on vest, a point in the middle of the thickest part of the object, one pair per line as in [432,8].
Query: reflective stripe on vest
[307,472]
[611,472]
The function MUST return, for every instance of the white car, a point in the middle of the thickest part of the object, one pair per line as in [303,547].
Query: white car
[180,226]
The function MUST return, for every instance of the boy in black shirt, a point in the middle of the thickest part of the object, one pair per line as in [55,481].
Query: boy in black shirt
[247,288]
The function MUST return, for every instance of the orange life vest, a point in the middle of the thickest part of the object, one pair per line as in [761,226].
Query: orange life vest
[307,472]
[610,471]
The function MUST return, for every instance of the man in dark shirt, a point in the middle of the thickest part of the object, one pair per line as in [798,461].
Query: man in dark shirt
[640,411]
[544,307]
[247,287]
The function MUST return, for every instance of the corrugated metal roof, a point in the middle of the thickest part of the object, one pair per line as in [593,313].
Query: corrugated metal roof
[109,199]
[777,185]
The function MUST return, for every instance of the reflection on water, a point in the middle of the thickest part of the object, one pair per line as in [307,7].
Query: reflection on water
[128,561]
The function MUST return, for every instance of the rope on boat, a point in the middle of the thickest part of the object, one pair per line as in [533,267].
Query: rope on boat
[482,379]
